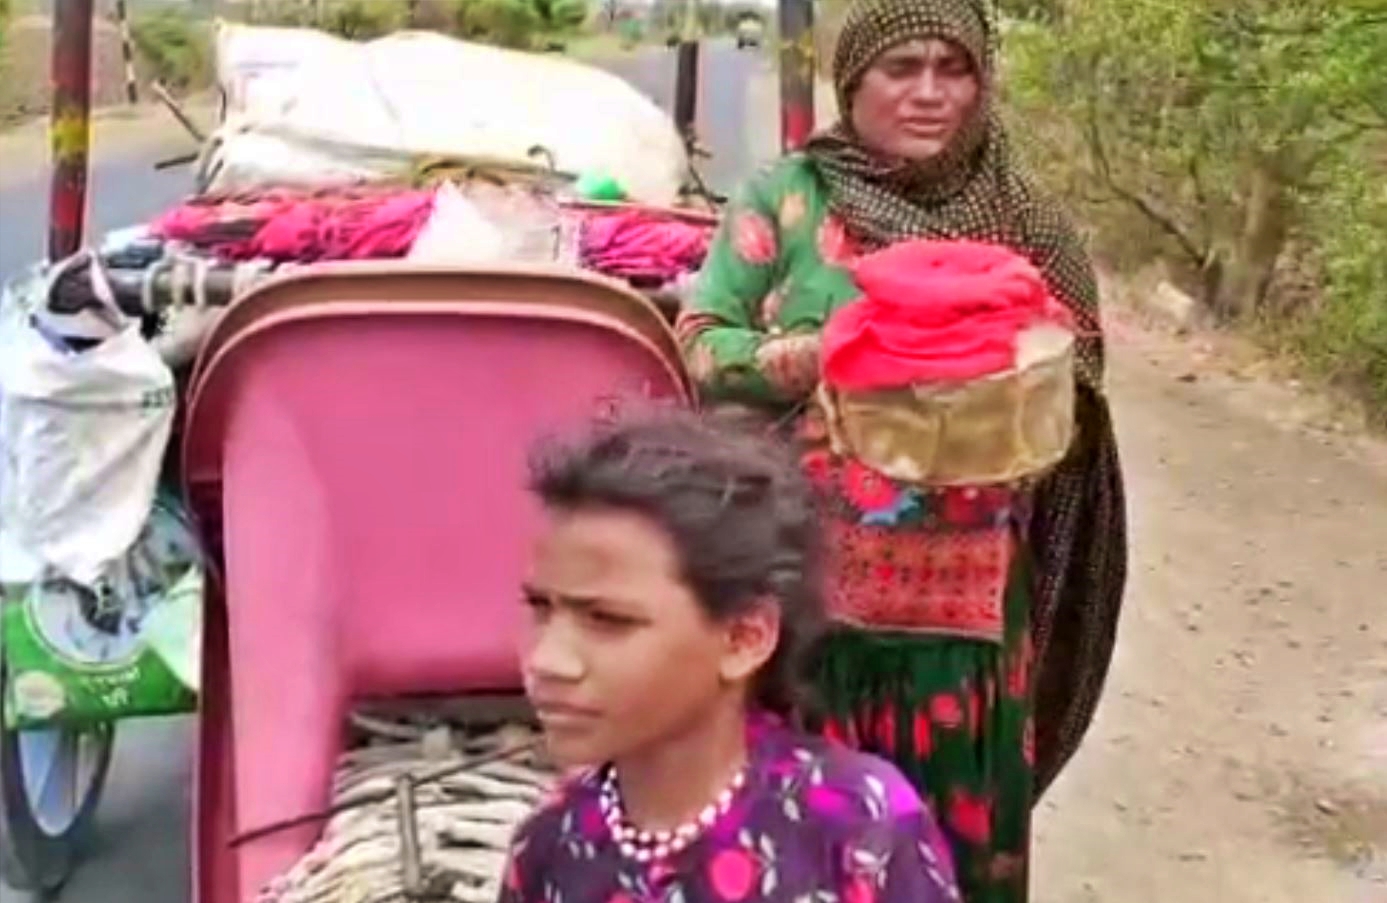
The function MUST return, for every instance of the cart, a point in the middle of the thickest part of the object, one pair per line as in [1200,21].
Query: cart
[391,587]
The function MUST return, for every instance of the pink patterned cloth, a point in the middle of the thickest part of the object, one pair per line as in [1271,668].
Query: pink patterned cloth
[641,244]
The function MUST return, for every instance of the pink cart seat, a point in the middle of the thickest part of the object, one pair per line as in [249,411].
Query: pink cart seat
[356,448]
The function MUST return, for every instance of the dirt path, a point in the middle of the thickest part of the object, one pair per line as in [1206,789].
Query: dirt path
[1240,755]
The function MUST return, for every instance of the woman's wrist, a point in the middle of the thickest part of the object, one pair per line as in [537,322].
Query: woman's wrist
[790,363]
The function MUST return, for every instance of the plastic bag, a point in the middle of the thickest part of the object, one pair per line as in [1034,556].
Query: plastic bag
[483,227]
[82,439]
[305,109]
[128,644]
[457,232]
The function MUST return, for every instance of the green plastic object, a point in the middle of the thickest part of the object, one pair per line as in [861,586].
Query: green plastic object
[598,186]
[61,669]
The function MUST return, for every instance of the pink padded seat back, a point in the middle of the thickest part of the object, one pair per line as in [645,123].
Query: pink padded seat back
[369,430]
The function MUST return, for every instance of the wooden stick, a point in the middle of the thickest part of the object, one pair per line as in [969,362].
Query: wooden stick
[167,100]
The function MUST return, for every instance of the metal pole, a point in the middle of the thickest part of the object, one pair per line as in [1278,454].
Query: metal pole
[132,90]
[797,72]
[686,88]
[686,74]
[69,131]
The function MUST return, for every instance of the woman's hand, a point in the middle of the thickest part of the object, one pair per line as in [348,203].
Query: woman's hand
[791,363]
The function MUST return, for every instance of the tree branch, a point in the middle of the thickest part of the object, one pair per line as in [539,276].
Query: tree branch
[1197,181]
[1162,220]
[1355,127]
[1378,108]
[1357,19]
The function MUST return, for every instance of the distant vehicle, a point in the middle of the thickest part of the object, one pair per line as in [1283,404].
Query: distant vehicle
[750,30]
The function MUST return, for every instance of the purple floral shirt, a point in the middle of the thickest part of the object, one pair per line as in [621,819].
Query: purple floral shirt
[814,823]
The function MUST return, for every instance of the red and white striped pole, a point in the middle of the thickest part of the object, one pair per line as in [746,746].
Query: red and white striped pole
[70,128]
[127,50]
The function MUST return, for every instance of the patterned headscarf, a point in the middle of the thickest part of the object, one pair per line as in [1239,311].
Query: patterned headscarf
[974,190]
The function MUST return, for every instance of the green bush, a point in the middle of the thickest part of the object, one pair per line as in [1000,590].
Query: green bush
[365,20]
[505,23]
[1343,334]
[1221,147]
[5,11]
[519,24]
[569,14]
[284,14]
[173,47]
[355,20]
[1252,163]
[562,16]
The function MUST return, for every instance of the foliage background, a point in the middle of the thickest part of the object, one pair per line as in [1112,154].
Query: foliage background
[1238,146]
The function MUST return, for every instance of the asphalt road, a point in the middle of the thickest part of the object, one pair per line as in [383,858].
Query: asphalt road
[122,191]
[141,849]
[127,189]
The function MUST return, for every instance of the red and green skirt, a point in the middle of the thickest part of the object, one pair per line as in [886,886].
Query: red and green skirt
[955,716]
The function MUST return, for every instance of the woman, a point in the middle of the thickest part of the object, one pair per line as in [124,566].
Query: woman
[673,588]
[920,153]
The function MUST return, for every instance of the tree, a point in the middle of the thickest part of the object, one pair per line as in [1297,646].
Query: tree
[172,46]
[1217,120]
[1030,10]
[506,23]
[365,20]
[562,15]
[516,23]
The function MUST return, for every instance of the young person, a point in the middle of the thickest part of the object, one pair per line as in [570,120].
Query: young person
[673,587]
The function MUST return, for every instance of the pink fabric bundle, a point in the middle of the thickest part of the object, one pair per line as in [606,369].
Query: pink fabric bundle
[935,311]
[342,224]
[638,244]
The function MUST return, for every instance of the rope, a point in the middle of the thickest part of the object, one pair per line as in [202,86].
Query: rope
[445,840]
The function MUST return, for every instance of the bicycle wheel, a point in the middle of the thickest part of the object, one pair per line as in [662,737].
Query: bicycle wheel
[50,786]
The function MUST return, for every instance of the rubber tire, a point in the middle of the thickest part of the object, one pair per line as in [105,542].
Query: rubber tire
[30,859]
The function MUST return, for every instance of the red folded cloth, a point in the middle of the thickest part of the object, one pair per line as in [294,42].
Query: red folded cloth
[935,311]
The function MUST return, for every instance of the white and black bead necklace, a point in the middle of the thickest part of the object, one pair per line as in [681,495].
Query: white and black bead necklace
[653,846]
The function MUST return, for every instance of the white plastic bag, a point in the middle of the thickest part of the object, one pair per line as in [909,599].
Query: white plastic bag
[457,232]
[82,439]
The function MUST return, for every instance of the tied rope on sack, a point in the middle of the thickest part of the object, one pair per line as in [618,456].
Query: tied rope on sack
[540,175]
[977,190]
[455,846]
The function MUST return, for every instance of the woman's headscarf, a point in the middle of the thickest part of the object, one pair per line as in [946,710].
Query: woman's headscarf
[975,190]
